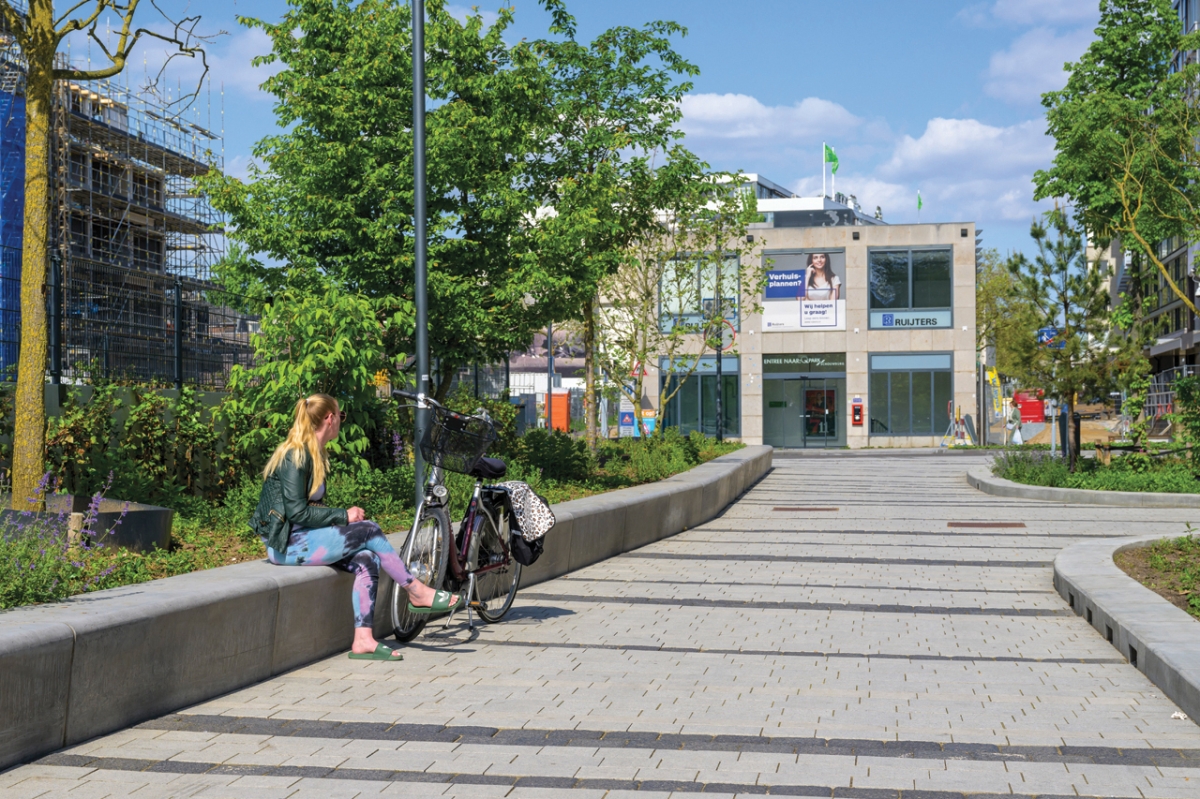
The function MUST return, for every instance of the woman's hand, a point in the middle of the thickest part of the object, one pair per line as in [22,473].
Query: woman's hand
[355,514]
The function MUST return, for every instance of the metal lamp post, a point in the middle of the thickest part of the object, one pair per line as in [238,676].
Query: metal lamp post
[419,249]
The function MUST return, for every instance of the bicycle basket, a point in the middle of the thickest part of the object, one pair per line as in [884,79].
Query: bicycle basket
[455,442]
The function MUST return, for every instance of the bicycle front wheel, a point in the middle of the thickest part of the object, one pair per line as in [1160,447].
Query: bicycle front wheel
[497,575]
[427,559]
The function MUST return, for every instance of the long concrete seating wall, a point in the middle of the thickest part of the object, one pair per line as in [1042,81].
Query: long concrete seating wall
[99,662]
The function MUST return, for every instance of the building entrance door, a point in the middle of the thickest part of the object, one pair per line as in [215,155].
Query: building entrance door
[802,412]
[820,413]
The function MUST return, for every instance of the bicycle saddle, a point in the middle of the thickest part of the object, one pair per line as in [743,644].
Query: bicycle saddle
[489,469]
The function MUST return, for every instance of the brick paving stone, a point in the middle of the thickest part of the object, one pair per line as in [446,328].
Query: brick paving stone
[889,648]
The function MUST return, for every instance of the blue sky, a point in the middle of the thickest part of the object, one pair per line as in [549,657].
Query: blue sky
[938,96]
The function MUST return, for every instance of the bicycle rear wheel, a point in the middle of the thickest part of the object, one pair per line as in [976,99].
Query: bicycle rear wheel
[496,585]
[426,562]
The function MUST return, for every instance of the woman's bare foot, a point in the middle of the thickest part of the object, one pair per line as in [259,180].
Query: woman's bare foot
[365,643]
[421,595]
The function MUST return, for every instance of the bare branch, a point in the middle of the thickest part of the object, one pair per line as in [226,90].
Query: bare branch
[79,24]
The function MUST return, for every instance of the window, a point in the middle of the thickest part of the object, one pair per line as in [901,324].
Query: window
[689,290]
[910,395]
[694,406]
[913,287]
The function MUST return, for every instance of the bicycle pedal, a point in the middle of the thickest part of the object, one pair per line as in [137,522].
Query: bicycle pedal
[475,603]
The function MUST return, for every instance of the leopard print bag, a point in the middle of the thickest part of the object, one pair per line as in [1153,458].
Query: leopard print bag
[532,516]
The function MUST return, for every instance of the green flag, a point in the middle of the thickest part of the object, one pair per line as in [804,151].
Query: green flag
[831,158]
[920,204]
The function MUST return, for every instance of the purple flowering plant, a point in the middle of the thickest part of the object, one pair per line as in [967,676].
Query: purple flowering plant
[43,559]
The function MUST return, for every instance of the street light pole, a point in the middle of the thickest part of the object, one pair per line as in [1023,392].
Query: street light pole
[419,243]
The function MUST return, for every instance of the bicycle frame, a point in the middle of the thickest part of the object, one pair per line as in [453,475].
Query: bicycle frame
[476,507]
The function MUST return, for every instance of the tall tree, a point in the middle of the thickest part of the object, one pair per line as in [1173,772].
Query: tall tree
[334,196]
[1002,320]
[39,31]
[615,106]
[681,285]
[1126,127]
[1069,295]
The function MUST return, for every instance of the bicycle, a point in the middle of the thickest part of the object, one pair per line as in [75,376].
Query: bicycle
[477,563]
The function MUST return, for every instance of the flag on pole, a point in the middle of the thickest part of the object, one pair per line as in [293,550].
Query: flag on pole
[920,204]
[831,158]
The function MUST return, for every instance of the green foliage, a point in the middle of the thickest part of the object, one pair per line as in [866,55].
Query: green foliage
[1187,414]
[137,442]
[1126,127]
[334,198]
[331,344]
[1176,569]
[556,455]
[1135,472]
[1003,319]
[1067,293]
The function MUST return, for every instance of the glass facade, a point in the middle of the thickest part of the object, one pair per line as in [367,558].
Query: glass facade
[694,404]
[919,281]
[910,395]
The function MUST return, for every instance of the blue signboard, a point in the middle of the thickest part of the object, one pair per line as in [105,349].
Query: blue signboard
[1046,337]
[626,419]
[785,284]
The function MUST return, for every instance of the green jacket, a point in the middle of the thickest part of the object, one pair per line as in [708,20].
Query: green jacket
[284,502]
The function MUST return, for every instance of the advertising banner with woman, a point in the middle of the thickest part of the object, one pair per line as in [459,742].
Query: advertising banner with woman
[805,291]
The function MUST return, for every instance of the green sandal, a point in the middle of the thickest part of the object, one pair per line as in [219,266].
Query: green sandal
[382,652]
[441,604]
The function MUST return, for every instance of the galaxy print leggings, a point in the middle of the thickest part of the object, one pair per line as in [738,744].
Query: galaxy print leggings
[359,548]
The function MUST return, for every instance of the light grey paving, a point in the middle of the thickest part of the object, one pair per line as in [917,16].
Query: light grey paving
[815,636]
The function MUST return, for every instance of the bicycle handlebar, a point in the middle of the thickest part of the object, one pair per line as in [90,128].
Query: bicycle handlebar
[422,400]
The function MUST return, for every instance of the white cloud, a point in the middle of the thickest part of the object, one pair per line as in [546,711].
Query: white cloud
[1033,64]
[1040,12]
[969,149]
[966,169]
[740,116]
[239,166]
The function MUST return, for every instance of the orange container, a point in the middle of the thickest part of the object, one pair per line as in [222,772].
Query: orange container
[560,408]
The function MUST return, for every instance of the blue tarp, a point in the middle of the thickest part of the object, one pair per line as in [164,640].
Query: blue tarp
[12,220]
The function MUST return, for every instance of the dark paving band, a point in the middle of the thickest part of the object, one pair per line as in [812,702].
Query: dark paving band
[782,584]
[386,775]
[689,650]
[1031,535]
[784,745]
[874,545]
[1002,564]
[860,607]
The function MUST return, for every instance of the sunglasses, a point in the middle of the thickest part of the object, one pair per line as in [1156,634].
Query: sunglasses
[341,416]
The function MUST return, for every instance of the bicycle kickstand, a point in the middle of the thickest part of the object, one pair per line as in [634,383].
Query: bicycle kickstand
[464,598]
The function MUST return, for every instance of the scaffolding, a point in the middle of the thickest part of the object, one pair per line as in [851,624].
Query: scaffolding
[135,241]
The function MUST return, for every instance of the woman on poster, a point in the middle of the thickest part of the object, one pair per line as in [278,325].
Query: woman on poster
[819,280]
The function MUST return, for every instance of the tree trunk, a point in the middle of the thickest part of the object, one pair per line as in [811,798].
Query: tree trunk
[589,372]
[29,436]
[1072,444]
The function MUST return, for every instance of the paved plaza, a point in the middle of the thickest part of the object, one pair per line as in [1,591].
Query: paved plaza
[856,625]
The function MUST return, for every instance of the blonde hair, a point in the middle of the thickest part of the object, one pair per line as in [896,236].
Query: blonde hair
[302,438]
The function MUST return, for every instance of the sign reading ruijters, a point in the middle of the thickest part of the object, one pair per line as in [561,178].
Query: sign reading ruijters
[902,320]
[805,291]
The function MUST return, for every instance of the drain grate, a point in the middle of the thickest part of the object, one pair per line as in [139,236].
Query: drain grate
[985,524]
[805,510]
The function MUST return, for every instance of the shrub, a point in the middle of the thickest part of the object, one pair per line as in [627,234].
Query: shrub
[1133,472]
[556,455]
[39,561]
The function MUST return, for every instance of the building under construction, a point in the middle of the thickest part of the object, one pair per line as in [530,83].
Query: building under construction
[133,243]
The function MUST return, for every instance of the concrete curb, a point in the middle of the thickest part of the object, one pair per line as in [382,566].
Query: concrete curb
[1159,639]
[99,662]
[988,483]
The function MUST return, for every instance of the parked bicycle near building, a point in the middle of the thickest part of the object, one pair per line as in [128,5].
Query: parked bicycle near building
[477,562]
